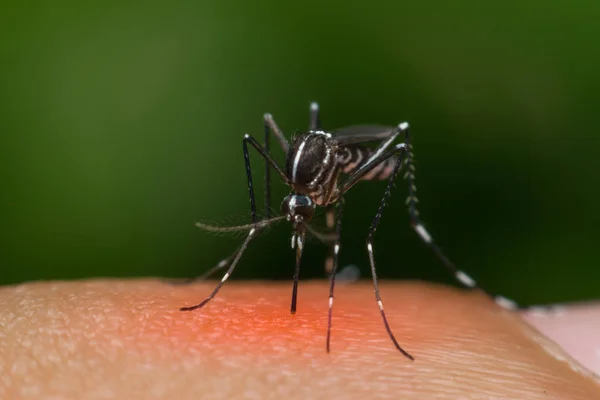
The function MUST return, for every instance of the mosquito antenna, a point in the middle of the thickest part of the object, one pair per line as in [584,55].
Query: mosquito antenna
[260,224]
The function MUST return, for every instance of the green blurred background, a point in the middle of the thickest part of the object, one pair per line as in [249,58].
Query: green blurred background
[121,126]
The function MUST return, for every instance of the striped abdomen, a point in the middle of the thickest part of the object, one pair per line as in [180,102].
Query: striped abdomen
[354,157]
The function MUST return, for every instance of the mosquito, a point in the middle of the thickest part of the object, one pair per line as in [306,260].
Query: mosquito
[320,169]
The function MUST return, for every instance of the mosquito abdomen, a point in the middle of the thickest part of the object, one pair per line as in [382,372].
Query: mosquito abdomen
[354,157]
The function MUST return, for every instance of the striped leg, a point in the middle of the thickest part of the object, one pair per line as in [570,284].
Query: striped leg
[417,225]
[370,236]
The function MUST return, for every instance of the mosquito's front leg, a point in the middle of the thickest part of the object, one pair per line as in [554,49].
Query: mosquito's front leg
[270,161]
[232,260]
[271,126]
[251,234]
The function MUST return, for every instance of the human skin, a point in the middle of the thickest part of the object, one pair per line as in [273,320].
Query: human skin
[127,339]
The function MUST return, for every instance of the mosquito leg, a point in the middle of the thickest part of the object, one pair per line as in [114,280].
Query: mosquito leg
[255,223]
[222,264]
[299,238]
[267,173]
[370,235]
[271,126]
[270,162]
[315,117]
[334,265]
[417,225]
[400,151]
[264,152]
[237,257]
[226,262]
[330,222]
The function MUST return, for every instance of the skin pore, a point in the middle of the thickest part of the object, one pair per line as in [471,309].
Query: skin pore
[127,339]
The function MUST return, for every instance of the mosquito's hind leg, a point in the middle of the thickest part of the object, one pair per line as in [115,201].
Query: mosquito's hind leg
[419,228]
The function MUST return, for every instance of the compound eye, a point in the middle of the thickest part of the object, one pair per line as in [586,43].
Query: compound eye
[303,201]
[305,207]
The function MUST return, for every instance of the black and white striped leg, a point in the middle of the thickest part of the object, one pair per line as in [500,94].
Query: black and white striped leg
[251,234]
[297,241]
[334,264]
[426,237]
[315,118]
[370,235]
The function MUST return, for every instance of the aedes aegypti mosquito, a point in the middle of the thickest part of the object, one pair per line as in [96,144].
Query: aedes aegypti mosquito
[320,168]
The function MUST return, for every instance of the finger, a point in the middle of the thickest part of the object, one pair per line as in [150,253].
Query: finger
[128,339]
[575,327]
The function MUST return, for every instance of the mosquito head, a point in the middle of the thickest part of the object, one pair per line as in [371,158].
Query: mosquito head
[298,208]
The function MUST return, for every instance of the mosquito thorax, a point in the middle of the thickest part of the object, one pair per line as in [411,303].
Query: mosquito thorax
[310,161]
[298,208]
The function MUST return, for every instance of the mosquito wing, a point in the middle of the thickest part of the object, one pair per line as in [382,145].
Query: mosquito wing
[362,133]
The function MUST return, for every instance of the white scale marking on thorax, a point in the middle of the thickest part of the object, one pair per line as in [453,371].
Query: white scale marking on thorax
[297,160]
